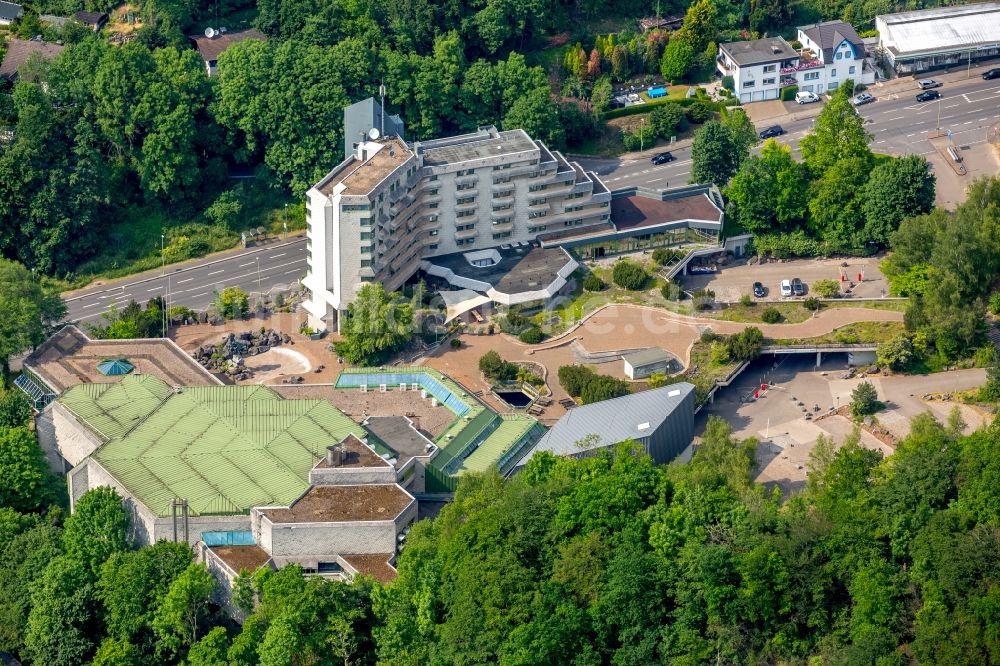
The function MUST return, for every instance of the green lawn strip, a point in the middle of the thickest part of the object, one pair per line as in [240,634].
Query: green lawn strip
[703,373]
[793,312]
[863,332]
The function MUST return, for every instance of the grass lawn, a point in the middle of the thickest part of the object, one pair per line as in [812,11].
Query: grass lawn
[793,312]
[871,332]
[673,92]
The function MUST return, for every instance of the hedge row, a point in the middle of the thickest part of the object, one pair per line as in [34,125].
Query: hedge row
[649,106]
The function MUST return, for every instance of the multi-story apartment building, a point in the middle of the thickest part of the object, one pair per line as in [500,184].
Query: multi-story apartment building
[756,66]
[380,213]
[832,53]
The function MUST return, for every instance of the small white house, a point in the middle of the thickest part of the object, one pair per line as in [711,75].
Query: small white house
[756,66]
[832,53]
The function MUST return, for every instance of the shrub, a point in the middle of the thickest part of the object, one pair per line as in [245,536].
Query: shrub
[745,345]
[656,380]
[826,288]
[593,283]
[603,387]
[663,255]
[574,377]
[455,343]
[531,336]
[704,299]
[746,300]
[720,353]
[995,302]
[643,138]
[771,315]
[896,354]
[672,291]
[728,83]
[514,323]
[708,336]
[495,367]
[699,111]
[864,400]
[788,93]
[629,275]
[231,303]
[812,303]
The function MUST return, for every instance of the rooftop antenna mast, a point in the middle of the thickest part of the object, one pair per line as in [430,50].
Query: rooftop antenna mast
[381,94]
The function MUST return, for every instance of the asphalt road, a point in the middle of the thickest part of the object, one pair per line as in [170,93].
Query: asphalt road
[192,284]
[898,122]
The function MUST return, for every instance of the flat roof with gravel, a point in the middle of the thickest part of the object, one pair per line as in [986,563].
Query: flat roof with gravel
[338,504]
[225,449]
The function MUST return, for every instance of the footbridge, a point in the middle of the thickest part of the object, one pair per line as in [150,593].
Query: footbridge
[819,349]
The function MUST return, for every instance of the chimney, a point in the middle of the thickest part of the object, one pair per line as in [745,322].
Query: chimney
[361,151]
[334,456]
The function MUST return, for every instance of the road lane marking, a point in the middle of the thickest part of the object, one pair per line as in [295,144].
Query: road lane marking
[951,107]
[89,306]
[896,118]
[294,270]
[216,272]
[882,141]
[204,293]
[183,281]
[247,264]
[153,289]
[275,256]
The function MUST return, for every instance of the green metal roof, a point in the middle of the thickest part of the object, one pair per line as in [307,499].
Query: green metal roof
[111,410]
[511,429]
[223,448]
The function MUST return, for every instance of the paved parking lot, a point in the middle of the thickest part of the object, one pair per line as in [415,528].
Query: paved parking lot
[732,282]
[787,430]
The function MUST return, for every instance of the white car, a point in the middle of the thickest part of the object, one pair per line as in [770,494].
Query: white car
[806,97]
[786,287]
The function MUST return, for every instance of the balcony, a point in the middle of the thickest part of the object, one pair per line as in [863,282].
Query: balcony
[466,180]
[506,200]
[471,205]
[499,226]
[466,233]
[724,67]
[802,66]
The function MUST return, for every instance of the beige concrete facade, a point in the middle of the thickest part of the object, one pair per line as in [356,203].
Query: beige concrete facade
[391,205]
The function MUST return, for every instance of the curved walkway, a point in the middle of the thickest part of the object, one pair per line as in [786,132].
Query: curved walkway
[615,327]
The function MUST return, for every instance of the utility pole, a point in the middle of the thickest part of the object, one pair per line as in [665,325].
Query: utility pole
[163,273]
[258,280]
[381,94]
[642,127]
[939,115]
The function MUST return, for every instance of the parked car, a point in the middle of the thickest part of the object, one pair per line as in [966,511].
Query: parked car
[758,290]
[927,84]
[786,287]
[991,74]
[798,288]
[805,97]
[864,98]
[928,95]
[662,158]
[772,131]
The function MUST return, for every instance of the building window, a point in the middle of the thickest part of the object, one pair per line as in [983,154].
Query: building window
[465,241]
[431,193]
[354,208]
[366,263]
[502,234]
[536,188]
[838,56]
[365,221]
[465,227]
[465,186]
[537,202]
[366,235]
[768,82]
[748,84]
[851,69]
[432,246]
[770,68]
[433,232]
[538,213]
[465,172]
[465,213]
[811,76]
[572,223]
[833,72]
[432,178]
[433,205]
[502,220]
[502,207]
[465,200]
[537,230]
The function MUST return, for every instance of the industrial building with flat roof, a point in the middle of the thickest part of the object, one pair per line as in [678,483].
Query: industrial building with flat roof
[925,39]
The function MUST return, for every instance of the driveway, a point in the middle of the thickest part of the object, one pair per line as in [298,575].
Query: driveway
[732,282]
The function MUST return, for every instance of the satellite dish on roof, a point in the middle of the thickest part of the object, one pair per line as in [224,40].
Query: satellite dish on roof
[210,32]
[222,30]
[373,133]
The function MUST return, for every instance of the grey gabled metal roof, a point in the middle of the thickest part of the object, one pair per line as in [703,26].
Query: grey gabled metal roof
[647,357]
[628,417]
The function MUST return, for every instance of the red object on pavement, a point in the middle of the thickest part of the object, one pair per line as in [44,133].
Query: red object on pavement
[859,277]
[756,393]
[843,278]
[763,387]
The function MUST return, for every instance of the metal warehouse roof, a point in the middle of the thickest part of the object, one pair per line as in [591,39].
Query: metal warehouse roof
[941,28]
[628,417]
[223,448]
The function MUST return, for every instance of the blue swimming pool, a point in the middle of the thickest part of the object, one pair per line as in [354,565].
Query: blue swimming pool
[659,91]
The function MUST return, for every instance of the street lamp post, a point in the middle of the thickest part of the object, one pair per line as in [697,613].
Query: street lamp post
[163,272]
[284,223]
[258,280]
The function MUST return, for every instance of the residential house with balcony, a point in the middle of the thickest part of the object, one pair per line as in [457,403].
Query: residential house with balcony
[756,66]
[831,53]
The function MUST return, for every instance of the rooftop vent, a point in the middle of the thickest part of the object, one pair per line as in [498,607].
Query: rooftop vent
[644,426]
[335,456]
[776,48]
